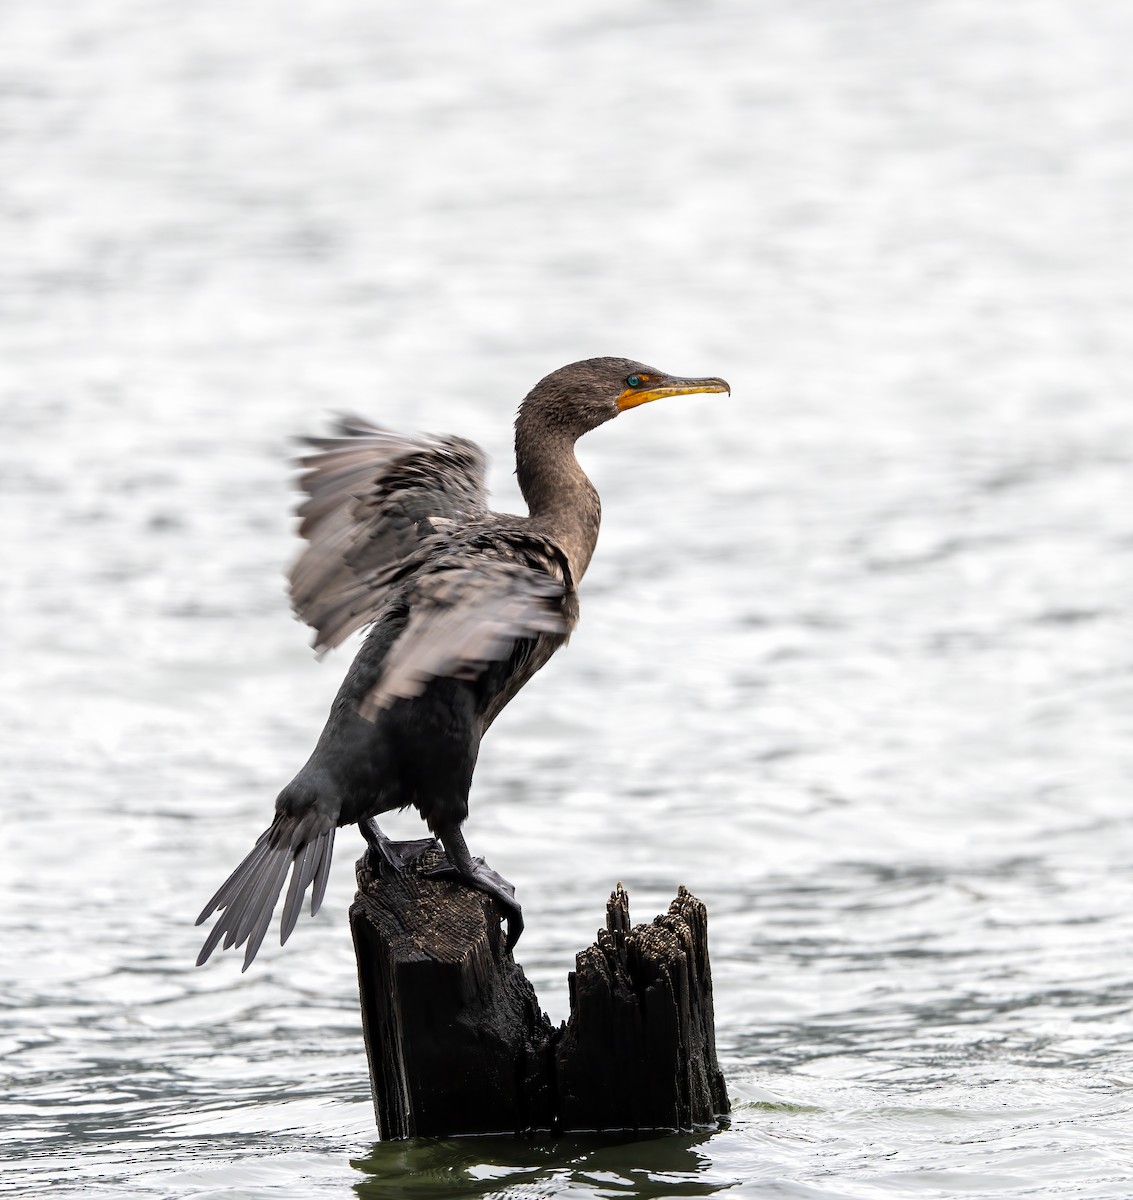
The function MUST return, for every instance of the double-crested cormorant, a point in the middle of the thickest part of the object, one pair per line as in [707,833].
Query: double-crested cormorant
[464,606]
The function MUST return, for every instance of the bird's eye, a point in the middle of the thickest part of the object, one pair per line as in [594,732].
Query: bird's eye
[634,380]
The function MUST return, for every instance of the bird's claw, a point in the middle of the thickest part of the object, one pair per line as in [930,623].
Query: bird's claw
[481,877]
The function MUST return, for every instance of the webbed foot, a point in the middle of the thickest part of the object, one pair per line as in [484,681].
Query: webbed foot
[397,856]
[475,873]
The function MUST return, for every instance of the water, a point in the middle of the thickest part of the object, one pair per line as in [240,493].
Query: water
[854,661]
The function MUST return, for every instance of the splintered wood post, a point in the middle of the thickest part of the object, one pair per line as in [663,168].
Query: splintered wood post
[457,1043]
[639,1050]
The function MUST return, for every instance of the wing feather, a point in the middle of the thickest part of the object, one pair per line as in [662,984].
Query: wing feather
[466,613]
[375,499]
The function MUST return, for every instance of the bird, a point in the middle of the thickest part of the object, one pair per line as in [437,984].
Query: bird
[463,605]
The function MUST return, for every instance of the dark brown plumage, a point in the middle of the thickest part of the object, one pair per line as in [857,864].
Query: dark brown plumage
[464,606]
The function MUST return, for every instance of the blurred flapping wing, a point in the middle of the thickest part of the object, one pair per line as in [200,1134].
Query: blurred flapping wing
[376,501]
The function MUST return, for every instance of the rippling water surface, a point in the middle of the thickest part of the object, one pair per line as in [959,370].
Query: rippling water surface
[854,662]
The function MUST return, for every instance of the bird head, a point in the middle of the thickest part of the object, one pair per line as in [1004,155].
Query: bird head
[584,395]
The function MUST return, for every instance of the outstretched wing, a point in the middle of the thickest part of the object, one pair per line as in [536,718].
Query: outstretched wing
[375,499]
[471,608]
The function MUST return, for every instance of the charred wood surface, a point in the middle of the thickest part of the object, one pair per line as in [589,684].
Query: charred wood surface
[457,1042]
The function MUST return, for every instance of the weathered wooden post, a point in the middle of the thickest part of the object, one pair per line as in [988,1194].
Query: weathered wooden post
[639,1049]
[458,1044]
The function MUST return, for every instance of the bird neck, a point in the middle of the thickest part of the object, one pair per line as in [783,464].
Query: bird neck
[563,504]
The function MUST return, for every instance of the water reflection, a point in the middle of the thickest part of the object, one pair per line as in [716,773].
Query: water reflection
[425,1168]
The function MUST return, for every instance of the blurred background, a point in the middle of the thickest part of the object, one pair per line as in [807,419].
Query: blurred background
[854,662]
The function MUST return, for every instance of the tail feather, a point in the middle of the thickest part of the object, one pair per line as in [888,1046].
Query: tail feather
[322,875]
[259,912]
[301,874]
[224,894]
[210,943]
[248,896]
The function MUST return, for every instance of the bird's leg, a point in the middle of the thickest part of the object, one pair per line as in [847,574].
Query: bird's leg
[398,856]
[476,873]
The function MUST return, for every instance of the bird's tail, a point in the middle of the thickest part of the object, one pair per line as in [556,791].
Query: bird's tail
[247,897]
